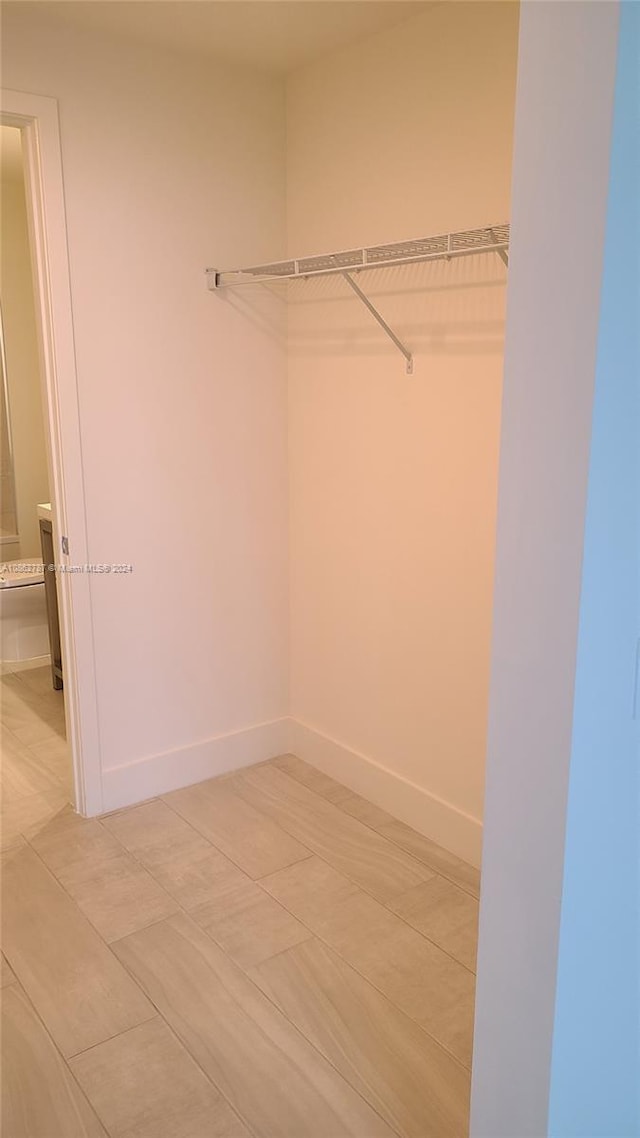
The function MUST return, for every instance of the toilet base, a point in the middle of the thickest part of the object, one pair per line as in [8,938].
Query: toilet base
[14,667]
[24,632]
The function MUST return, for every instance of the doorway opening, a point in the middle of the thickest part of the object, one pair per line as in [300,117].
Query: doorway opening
[48,700]
[37,759]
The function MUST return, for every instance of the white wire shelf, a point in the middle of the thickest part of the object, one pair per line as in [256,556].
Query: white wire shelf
[446,246]
[492,239]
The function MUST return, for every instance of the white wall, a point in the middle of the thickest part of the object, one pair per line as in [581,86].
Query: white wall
[394,479]
[566,74]
[171,165]
[23,376]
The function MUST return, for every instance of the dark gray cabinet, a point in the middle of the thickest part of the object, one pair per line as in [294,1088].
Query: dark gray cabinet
[48,557]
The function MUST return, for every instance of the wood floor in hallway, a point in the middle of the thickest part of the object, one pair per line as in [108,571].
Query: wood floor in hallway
[264,954]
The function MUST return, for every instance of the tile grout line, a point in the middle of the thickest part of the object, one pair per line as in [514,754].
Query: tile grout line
[373,897]
[382,837]
[364,888]
[106,944]
[266,996]
[369,826]
[161,1019]
[63,1058]
[240,968]
[118,1034]
[55,785]
[157,1013]
[223,1096]
[314,936]
[332,948]
[26,703]
[398,916]
[243,970]
[434,873]
[52,733]
[257,881]
[79,907]
[221,851]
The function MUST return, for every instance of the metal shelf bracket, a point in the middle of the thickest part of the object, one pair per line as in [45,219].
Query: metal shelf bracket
[500,250]
[381,321]
[444,246]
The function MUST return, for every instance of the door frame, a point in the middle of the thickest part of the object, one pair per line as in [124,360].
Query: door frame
[563,127]
[37,117]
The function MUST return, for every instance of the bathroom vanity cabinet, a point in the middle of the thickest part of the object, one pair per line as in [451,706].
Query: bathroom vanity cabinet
[46,541]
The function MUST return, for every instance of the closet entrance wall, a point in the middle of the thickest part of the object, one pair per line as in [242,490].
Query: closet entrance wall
[393,479]
[182,401]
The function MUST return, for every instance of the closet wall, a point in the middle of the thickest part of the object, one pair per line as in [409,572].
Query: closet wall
[172,163]
[394,478]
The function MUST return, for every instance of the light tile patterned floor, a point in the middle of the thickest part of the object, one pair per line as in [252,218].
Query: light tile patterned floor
[266,955]
[35,774]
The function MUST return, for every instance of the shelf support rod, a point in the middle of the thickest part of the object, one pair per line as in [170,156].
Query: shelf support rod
[503,255]
[381,321]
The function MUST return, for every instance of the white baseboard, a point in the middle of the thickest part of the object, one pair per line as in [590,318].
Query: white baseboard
[147,778]
[445,824]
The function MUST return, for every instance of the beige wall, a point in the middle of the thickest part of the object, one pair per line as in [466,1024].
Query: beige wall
[23,376]
[394,478]
[172,164]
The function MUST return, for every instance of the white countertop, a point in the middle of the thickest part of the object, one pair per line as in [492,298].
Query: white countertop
[43,510]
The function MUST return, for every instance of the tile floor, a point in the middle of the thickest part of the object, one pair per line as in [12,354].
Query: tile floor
[265,954]
[35,774]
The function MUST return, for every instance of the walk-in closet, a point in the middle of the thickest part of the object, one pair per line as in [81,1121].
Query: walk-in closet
[288,230]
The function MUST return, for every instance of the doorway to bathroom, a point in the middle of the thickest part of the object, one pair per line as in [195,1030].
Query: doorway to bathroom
[47,691]
[36,768]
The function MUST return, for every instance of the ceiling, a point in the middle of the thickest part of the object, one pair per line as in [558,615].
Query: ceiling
[274,35]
